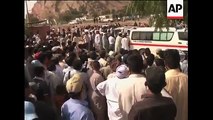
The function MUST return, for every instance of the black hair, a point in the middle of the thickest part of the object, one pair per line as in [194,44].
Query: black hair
[96,65]
[74,44]
[147,51]
[75,95]
[55,60]
[61,89]
[156,89]
[72,54]
[38,71]
[172,58]
[36,49]
[102,53]
[61,56]
[135,63]
[124,58]
[45,55]
[159,62]
[69,60]
[69,42]
[161,54]
[93,55]
[74,34]
[80,46]
[51,67]
[122,51]
[70,48]
[142,51]
[77,64]
[83,57]
[150,59]
[155,79]
[135,51]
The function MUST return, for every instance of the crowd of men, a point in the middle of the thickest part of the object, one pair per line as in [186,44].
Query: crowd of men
[90,73]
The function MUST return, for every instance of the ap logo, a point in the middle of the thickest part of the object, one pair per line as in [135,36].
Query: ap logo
[175,9]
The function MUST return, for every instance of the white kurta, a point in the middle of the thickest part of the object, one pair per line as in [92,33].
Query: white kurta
[125,43]
[108,89]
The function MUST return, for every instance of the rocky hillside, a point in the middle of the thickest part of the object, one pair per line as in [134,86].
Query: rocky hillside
[51,9]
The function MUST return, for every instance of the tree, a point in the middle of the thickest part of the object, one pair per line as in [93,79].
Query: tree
[105,12]
[32,18]
[156,8]
[83,9]
[121,12]
[68,15]
[94,14]
[65,17]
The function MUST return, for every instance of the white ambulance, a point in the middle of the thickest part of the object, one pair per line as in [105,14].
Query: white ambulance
[148,37]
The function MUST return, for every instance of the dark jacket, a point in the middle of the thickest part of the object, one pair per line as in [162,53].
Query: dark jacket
[40,88]
[153,107]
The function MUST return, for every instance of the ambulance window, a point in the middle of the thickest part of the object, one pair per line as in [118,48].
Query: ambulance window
[149,36]
[146,35]
[169,36]
[156,36]
[162,36]
[183,35]
[142,36]
[166,36]
[135,35]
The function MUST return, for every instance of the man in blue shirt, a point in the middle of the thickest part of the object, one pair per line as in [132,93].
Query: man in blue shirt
[76,108]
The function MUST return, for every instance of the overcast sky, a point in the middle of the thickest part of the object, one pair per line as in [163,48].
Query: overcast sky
[30,6]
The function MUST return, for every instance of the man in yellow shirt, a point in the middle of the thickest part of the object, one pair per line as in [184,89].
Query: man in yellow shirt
[177,83]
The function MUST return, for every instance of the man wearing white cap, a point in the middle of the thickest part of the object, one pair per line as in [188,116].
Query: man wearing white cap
[108,89]
[130,89]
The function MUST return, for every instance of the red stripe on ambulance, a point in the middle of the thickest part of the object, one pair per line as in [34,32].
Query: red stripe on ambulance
[159,45]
